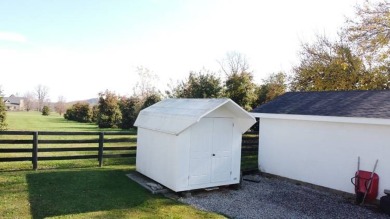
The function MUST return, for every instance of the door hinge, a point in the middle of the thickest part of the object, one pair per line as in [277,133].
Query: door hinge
[230,172]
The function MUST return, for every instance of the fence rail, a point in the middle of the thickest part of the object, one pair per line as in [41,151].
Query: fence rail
[249,152]
[35,142]
[249,146]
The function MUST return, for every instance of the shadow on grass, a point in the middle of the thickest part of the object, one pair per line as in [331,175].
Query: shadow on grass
[73,192]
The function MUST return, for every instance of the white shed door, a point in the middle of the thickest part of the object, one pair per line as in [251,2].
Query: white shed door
[222,150]
[211,151]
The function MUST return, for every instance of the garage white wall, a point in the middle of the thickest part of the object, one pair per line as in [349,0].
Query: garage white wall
[324,153]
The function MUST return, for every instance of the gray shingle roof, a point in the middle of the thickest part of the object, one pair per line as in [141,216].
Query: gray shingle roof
[13,99]
[367,104]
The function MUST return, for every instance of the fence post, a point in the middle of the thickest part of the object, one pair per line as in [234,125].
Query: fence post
[35,151]
[101,143]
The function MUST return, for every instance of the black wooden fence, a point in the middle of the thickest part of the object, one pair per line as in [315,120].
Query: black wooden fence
[249,151]
[36,150]
[249,147]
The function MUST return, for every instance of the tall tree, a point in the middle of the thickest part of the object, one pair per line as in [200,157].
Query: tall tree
[3,115]
[327,65]
[146,84]
[272,87]
[239,85]
[41,93]
[109,115]
[204,84]
[234,63]
[29,101]
[369,31]
[60,106]
[241,89]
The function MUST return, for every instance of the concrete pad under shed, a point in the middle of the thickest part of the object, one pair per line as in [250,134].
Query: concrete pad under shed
[147,183]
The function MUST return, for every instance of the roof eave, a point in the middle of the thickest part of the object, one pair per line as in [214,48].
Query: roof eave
[338,119]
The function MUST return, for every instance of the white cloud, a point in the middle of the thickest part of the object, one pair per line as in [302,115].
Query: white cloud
[13,37]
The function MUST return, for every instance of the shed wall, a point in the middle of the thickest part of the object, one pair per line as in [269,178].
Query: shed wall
[324,153]
[158,158]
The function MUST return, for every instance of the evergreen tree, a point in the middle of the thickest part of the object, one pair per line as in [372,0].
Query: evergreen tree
[45,111]
[109,115]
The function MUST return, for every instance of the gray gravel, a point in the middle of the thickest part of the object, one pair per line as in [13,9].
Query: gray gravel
[278,198]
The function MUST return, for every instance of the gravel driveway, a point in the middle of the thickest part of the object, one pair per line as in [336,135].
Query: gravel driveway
[278,198]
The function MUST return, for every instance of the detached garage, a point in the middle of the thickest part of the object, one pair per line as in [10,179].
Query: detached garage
[187,144]
[316,137]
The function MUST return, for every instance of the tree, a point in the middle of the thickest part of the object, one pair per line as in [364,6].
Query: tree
[3,115]
[42,93]
[45,111]
[130,108]
[239,85]
[327,65]
[60,106]
[150,100]
[146,84]
[241,89]
[29,101]
[204,84]
[369,31]
[272,87]
[94,113]
[234,63]
[79,112]
[109,113]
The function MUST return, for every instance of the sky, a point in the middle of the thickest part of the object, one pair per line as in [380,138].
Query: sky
[80,48]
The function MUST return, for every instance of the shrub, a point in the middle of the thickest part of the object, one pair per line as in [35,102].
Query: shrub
[79,112]
[45,111]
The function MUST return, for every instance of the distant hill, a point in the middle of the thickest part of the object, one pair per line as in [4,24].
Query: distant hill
[92,101]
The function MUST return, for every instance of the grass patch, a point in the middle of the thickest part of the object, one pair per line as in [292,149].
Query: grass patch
[85,193]
[34,121]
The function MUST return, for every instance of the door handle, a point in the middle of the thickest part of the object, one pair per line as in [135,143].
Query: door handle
[213,155]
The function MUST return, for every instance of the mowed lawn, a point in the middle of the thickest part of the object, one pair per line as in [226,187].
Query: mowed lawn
[34,121]
[78,188]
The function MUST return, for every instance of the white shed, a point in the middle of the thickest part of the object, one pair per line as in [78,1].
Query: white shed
[316,137]
[187,144]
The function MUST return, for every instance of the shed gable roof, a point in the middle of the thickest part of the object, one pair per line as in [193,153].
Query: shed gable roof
[366,104]
[173,116]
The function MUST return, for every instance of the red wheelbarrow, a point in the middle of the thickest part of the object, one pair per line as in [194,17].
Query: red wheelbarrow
[366,184]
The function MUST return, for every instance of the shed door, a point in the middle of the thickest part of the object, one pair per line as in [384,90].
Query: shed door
[222,149]
[211,151]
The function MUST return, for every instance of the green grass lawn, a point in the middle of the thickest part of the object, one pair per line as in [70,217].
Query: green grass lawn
[34,121]
[78,188]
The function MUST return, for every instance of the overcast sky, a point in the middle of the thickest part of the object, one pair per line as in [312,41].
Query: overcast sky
[79,48]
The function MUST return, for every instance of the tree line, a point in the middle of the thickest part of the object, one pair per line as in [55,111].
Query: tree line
[112,111]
